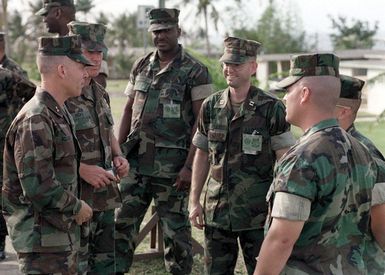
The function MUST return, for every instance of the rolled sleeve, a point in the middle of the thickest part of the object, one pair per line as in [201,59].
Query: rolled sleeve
[378,194]
[284,140]
[291,207]
[129,91]
[200,141]
[201,92]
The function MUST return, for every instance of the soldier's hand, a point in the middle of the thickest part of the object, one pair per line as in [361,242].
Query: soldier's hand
[84,215]
[183,180]
[95,175]
[196,215]
[121,165]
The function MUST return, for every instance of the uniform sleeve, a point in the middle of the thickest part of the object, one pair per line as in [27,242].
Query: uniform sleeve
[200,84]
[296,175]
[200,138]
[291,207]
[378,192]
[281,136]
[129,91]
[34,161]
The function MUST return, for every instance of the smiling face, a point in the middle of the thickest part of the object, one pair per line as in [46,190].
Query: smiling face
[96,58]
[166,40]
[237,74]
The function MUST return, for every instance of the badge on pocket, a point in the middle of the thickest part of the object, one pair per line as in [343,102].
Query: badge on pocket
[251,144]
[171,110]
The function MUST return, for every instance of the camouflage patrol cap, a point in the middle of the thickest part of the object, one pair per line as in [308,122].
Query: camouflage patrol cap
[238,50]
[47,4]
[351,87]
[69,46]
[310,65]
[91,34]
[162,19]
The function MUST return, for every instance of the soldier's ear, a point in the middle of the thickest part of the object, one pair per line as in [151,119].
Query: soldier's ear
[58,12]
[61,70]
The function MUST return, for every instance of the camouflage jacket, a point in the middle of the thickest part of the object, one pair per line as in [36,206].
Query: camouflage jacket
[162,117]
[94,125]
[9,64]
[40,178]
[367,142]
[337,174]
[14,92]
[240,172]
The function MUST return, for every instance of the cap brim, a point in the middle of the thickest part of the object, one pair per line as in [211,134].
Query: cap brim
[81,59]
[288,81]
[42,12]
[93,46]
[158,27]
[235,59]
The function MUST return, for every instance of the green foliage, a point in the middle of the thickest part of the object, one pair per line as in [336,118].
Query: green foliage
[355,34]
[279,32]
[84,6]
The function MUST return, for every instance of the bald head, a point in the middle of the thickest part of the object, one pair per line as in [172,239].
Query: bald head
[325,91]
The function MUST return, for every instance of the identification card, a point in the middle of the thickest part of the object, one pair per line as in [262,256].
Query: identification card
[251,144]
[171,111]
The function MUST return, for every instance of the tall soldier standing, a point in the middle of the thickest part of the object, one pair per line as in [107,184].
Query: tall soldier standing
[40,184]
[165,91]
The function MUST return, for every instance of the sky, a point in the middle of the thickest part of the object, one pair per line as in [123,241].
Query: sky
[314,13]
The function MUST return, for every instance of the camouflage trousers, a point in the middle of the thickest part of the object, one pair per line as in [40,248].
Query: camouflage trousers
[221,249]
[96,254]
[137,193]
[64,263]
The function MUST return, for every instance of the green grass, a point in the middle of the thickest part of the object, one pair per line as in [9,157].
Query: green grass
[372,130]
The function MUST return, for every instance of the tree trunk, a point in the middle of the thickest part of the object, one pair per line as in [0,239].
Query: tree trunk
[5,24]
[208,47]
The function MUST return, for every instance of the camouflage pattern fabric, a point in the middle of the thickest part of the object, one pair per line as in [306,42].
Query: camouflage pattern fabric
[92,35]
[367,142]
[94,124]
[171,206]
[337,174]
[14,92]
[161,19]
[238,51]
[351,87]
[221,249]
[47,4]
[310,65]
[161,124]
[9,64]
[374,256]
[40,184]
[238,181]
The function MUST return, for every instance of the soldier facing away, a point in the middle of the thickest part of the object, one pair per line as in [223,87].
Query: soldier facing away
[241,132]
[346,113]
[102,162]
[8,63]
[165,91]
[40,185]
[320,199]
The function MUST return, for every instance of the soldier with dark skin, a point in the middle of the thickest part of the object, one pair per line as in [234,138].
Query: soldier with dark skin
[320,198]
[41,160]
[346,112]
[102,163]
[241,132]
[165,91]
[16,90]
[57,14]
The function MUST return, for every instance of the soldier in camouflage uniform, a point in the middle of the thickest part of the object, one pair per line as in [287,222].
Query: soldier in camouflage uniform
[346,112]
[241,132]
[165,91]
[40,184]
[101,157]
[14,92]
[319,202]
[8,63]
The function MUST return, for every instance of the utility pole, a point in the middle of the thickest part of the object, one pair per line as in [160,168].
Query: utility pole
[162,3]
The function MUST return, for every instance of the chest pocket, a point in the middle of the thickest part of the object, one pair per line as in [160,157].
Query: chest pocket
[217,143]
[64,142]
[83,121]
[171,98]
[106,112]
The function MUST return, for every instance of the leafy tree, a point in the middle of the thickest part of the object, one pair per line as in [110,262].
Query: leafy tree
[84,6]
[278,32]
[355,34]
